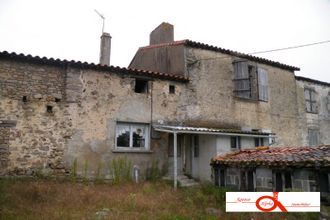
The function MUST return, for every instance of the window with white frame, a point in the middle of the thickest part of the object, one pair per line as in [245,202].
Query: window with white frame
[132,136]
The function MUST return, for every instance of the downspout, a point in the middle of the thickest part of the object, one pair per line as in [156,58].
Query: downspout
[175,155]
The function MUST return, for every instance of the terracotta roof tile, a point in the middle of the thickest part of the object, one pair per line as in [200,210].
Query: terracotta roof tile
[277,156]
[194,44]
[79,64]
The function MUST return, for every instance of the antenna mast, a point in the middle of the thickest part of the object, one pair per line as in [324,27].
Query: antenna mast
[103,19]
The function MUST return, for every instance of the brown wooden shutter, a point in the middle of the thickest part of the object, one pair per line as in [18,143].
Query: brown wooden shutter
[262,84]
[242,80]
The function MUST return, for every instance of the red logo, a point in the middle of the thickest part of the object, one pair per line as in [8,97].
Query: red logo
[264,202]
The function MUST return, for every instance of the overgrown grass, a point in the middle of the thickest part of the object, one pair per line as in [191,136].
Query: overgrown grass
[66,199]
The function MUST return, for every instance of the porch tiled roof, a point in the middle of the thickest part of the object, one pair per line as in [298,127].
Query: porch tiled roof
[277,157]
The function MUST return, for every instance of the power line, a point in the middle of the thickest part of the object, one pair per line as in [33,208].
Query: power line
[292,47]
[272,50]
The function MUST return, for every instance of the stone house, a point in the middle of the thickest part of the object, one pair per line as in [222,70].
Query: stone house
[179,103]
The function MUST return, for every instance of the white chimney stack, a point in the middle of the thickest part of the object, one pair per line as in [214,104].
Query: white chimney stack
[105,49]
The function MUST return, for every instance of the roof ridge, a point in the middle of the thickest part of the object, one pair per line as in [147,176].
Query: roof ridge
[205,46]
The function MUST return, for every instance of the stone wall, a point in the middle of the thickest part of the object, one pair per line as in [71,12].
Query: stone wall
[212,101]
[32,97]
[62,116]
[320,120]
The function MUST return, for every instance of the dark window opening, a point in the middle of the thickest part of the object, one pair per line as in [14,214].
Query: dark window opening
[172,89]
[57,100]
[222,177]
[49,109]
[235,143]
[250,181]
[196,146]
[141,86]
[24,98]
[278,182]
[324,182]
[258,142]
[287,180]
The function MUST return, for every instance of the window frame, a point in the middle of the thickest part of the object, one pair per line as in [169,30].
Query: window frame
[238,144]
[256,81]
[131,129]
[310,100]
[316,132]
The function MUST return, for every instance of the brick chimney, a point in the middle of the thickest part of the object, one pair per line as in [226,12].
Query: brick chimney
[105,49]
[164,33]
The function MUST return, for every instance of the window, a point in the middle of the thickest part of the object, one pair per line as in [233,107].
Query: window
[258,142]
[132,136]
[171,145]
[141,86]
[235,143]
[171,89]
[310,100]
[196,145]
[313,137]
[250,81]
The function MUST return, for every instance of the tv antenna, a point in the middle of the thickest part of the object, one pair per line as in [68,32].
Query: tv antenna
[103,19]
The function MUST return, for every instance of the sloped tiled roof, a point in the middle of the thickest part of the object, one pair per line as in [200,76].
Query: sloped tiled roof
[85,65]
[277,156]
[194,44]
[301,78]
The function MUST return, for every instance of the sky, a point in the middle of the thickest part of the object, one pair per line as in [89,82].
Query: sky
[70,29]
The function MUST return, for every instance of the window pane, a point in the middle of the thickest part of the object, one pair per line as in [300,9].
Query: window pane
[233,142]
[122,135]
[139,135]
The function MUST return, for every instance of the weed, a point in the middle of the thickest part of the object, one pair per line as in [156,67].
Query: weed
[121,170]
[74,170]
[153,172]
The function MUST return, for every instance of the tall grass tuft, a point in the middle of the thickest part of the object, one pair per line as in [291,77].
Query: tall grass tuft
[73,175]
[121,169]
[153,172]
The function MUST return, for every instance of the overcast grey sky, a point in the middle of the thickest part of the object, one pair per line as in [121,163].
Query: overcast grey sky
[70,29]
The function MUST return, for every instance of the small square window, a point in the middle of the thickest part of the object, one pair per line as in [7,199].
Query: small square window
[49,109]
[172,89]
[24,98]
[141,86]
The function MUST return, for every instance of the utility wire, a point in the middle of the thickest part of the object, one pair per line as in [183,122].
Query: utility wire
[273,50]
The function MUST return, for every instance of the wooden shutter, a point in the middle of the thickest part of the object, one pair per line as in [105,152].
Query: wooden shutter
[262,84]
[242,80]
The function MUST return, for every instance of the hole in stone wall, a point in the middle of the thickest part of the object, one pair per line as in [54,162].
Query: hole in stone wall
[141,86]
[49,109]
[24,98]
[172,89]
[57,100]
